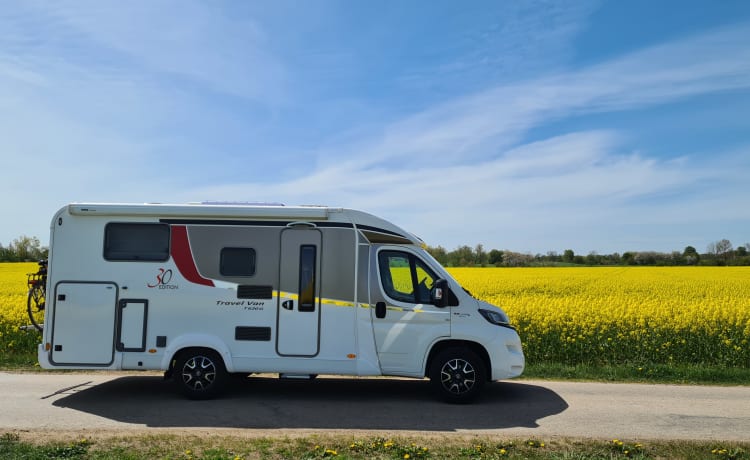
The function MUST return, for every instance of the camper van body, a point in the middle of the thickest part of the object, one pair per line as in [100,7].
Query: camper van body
[202,291]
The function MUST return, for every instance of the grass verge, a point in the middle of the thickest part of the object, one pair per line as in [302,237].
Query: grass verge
[346,447]
[631,373]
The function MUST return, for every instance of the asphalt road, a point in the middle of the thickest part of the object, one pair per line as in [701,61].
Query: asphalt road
[136,403]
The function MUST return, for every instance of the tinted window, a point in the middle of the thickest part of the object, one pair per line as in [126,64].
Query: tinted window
[237,262]
[142,242]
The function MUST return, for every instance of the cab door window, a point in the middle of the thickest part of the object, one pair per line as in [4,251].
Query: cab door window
[405,277]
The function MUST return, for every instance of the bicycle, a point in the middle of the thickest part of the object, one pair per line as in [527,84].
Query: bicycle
[35,301]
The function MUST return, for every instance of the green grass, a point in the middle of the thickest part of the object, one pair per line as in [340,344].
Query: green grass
[654,373]
[646,373]
[347,447]
[18,361]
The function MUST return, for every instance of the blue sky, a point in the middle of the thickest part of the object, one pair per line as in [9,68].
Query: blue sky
[532,126]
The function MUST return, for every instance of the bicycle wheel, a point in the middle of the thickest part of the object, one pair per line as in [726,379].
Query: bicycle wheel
[35,306]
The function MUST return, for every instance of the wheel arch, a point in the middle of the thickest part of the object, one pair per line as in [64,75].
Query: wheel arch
[196,341]
[475,347]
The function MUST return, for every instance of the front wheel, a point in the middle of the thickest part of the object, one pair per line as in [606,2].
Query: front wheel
[35,306]
[199,373]
[457,375]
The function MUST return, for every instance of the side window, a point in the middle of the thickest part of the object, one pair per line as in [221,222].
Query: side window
[237,262]
[425,280]
[136,242]
[405,278]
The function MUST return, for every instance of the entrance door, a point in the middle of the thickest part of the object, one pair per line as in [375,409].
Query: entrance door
[84,323]
[298,329]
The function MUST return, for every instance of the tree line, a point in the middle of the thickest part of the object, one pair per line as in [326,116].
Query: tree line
[23,249]
[721,252]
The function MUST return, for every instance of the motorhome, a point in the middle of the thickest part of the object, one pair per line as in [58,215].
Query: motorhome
[204,291]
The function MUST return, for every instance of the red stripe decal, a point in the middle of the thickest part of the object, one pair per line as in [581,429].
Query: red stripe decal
[183,256]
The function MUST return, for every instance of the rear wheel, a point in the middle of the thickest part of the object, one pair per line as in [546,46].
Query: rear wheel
[35,306]
[457,375]
[199,373]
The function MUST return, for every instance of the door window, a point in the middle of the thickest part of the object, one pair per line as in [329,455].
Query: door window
[405,277]
[307,277]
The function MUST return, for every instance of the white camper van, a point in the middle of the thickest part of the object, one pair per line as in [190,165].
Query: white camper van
[202,291]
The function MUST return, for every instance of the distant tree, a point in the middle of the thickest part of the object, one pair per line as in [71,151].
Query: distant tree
[691,256]
[26,248]
[724,249]
[480,255]
[463,256]
[516,259]
[741,251]
[645,258]
[568,256]
[495,257]
[439,253]
[593,258]
[628,258]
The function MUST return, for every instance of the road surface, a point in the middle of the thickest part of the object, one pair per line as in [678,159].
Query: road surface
[66,403]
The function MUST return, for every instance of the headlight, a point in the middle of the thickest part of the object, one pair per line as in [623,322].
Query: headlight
[497,317]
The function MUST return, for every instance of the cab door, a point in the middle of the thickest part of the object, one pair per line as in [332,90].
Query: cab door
[405,323]
[298,331]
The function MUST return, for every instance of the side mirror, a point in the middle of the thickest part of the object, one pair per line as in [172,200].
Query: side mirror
[439,293]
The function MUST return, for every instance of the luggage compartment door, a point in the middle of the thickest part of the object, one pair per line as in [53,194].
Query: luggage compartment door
[298,328]
[132,315]
[83,323]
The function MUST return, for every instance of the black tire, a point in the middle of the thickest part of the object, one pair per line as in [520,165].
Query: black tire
[457,375]
[199,373]
[35,306]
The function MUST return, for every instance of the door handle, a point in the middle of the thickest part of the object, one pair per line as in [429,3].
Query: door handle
[380,310]
[288,305]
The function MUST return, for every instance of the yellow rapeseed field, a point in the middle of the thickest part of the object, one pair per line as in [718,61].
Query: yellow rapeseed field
[597,315]
[13,290]
[623,315]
